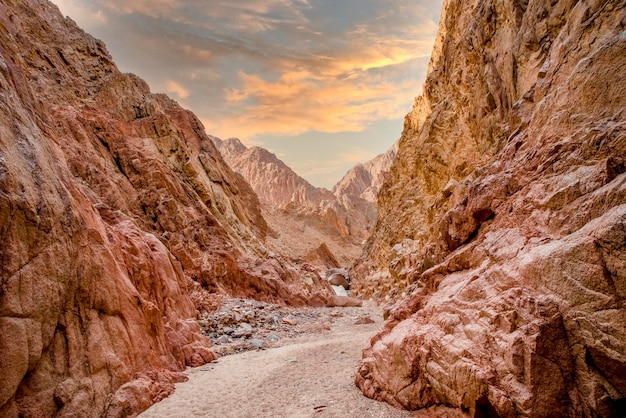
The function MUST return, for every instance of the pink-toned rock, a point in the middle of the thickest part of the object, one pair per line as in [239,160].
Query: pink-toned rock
[343,302]
[364,320]
[337,279]
[322,256]
[341,219]
[290,321]
[114,205]
[501,228]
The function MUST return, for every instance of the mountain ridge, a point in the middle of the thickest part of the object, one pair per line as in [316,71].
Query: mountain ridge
[341,219]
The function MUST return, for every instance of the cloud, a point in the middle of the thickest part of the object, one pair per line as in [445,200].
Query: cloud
[253,68]
[88,16]
[175,88]
[345,97]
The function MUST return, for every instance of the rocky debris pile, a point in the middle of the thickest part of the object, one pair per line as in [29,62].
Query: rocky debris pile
[244,324]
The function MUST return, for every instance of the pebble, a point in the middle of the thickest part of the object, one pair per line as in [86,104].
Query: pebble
[363,320]
[222,340]
[290,321]
[255,342]
[242,333]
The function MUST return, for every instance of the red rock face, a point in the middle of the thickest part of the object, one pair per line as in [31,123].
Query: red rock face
[114,204]
[503,220]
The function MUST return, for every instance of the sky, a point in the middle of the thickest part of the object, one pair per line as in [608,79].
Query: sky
[323,84]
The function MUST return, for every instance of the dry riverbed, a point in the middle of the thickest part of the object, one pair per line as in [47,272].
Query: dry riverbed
[304,366]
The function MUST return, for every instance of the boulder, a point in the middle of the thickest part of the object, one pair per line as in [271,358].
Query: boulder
[344,302]
[338,280]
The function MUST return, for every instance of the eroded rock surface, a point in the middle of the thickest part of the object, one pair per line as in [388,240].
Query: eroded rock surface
[115,207]
[502,225]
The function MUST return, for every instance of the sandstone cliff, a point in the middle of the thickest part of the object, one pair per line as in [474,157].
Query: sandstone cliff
[117,218]
[502,221]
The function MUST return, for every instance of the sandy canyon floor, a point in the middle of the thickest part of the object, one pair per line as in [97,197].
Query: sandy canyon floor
[310,375]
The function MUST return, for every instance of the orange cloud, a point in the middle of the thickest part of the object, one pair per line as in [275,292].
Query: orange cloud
[300,100]
[175,88]
[284,74]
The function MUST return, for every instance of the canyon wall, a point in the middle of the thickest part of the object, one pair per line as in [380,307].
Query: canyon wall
[501,226]
[118,221]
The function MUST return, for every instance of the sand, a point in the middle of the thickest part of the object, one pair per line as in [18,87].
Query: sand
[309,376]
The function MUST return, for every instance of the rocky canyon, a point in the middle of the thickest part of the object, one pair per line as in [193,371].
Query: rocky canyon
[501,229]
[493,233]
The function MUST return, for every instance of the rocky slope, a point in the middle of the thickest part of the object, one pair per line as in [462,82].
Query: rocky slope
[365,180]
[118,218]
[341,219]
[275,183]
[502,222]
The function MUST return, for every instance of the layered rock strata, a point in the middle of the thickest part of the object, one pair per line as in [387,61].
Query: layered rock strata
[115,207]
[501,227]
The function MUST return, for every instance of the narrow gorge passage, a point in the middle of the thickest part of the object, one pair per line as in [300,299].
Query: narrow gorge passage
[310,376]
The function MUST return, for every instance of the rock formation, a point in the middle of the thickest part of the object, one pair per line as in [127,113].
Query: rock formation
[275,183]
[341,219]
[365,180]
[358,191]
[502,221]
[117,218]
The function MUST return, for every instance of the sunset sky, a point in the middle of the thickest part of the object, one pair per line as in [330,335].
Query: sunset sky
[324,84]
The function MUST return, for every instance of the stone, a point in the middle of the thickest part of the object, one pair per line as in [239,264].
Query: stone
[120,222]
[508,195]
[321,256]
[364,320]
[244,330]
[290,320]
[223,340]
[344,301]
[340,291]
[258,343]
[338,280]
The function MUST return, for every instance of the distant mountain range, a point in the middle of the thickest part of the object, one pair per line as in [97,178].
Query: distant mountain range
[342,218]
